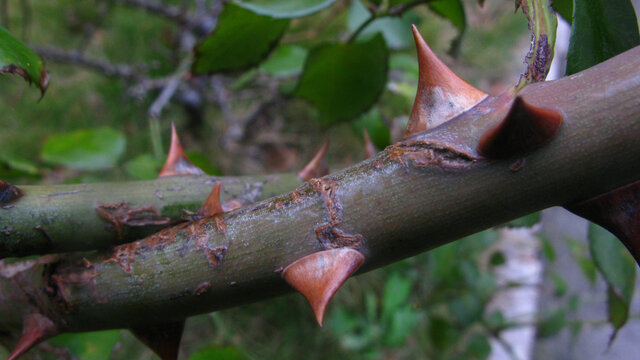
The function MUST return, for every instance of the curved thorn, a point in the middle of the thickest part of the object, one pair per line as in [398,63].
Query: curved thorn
[616,211]
[441,93]
[9,193]
[35,329]
[369,148]
[164,340]
[318,166]
[318,276]
[177,161]
[212,205]
[524,128]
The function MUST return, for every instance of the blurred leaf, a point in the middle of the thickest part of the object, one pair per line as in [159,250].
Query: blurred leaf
[478,348]
[497,258]
[547,248]
[442,333]
[217,353]
[377,129]
[466,309]
[402,323]
[406,63]
[560,286]
[240,40]
[286,60]
[619,271]
[452,10]
[17,58]
[552,324]
[201,161]
[495,321]
[396,293]
[143,167]
[90,345]
[344,80]
[395,30]
[564,8]
[525,221]
[285,8]
[86,149]
[588,268]
[601,29]
[15,162]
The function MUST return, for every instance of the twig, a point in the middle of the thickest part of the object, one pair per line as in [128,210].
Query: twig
[78,58]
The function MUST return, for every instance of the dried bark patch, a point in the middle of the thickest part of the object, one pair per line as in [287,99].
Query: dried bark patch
[121,215]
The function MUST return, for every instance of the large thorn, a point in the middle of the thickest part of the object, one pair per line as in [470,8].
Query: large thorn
[318,166]
[9,193]
[369,148]
[212,205]
[318,276]
[617,211]
[441,93]
[35,329]
[163,339]
[177,162]
[524,128]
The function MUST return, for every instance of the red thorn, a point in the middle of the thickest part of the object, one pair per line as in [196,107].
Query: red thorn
[318,276]
[617,211]
[212,205]
[524,128]
[318,166]
[441,94]
[35,329]
[369,148]
[164,339]
[9,193]
[177,162]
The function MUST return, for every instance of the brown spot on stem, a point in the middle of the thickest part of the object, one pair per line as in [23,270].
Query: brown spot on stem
[332,237]
[424,154]
[9,193]
[329,191]
[202,288]
[124,255]
[214,256]
[121,215]
[318,276]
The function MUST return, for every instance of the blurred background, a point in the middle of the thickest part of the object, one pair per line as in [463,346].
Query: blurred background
[256,88]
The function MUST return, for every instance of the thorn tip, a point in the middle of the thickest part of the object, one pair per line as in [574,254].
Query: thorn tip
[35,329]
[318,166]
[177,162]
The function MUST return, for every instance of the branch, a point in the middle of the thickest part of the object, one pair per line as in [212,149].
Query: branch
[418,194]
[62,218]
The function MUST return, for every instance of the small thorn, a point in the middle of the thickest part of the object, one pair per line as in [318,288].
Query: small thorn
[212,205]
[9,193]
[524,128]
[177,162]
[616,211]
[441,94]
[35,329]
[318,166]
[164,340]
[369,148]
[318,276]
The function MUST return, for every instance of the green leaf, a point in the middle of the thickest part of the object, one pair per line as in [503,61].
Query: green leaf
[466,309]
[564,8]
[143,167]
[217,353]
[87,149]
[377,129]
[90,345]
[396,293]
[396,31]
[286,61]
[198,159]
[452,10]
[17,163]
[601,29]
[619,271]
[547,248]
[241,39]
[559,284]
[17,58]
[402,323]
[344,80]
[285,8]
[442,333]
[478,348]
[552,324]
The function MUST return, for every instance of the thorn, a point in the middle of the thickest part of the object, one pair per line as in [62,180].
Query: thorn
[35,329]
[164,339]
[9,193]
[318,166]
[212,205]
[441,93]
[616,211]
[524,128]
[318,276]
[177,162]
[231,205]
[369,148]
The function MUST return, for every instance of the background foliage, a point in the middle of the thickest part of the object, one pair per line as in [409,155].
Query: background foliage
[255,87]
